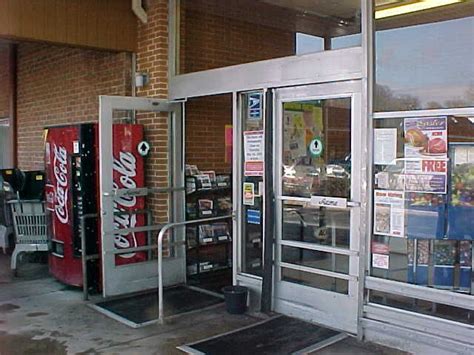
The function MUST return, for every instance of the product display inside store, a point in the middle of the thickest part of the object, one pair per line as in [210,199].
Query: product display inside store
[209,193]
[209,244]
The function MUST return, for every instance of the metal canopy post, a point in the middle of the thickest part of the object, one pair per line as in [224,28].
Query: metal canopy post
[269,210]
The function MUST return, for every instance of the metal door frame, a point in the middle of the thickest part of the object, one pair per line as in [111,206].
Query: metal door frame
[331,309]
[130,278]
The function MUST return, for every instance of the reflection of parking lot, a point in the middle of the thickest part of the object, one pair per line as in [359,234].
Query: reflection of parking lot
[328,180]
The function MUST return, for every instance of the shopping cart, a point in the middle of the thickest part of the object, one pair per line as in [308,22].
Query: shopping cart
[29,221]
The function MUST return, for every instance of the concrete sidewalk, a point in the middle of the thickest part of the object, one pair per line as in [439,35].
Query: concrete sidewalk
[38,315]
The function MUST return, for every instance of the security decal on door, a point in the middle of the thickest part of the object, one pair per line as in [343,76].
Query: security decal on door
[316,147]
[143,148]
[255,106]
[253,216]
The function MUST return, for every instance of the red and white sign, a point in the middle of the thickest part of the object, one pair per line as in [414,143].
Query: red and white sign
[426,175]
[380,248]
[128,173]
[61,175]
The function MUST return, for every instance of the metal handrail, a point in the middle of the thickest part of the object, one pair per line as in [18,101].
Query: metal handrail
[160,254]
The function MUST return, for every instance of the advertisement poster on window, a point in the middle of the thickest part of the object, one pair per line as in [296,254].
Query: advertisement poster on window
[295,134]
[253,153]
[389,213]
[426,175]
[380,255]
[426,137]
[249,194]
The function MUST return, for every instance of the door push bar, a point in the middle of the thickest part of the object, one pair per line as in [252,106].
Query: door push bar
[160,255]
[141,191]
[321,201]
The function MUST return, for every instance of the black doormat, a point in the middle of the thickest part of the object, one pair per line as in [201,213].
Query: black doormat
[142,309]
[279,335]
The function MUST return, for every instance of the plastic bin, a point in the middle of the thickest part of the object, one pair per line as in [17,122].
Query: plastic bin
[235,299]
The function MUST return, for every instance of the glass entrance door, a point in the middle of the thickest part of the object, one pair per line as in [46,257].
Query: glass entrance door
[318,145]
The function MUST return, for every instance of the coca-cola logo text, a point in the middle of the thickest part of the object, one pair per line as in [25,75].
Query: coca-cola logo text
[126,167]
[61,175]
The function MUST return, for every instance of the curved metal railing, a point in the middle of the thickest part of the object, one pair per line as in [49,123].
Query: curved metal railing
[161,235]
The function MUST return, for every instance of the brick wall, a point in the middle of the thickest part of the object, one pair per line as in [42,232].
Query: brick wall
[205,137]
[4,81]
[215,34]
[58,85]
[152,58]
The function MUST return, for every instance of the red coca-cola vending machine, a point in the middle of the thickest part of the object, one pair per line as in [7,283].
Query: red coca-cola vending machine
[72,190]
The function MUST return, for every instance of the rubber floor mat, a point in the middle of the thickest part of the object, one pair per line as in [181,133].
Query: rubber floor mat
[143,308]
[279,335]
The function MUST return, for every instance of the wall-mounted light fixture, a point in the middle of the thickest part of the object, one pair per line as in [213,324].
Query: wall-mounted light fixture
[141,79]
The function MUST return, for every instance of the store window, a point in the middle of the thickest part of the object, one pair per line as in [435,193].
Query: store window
[424,57]
[208,158]
[423,228]
[424,201]
[253,147]
[216,34]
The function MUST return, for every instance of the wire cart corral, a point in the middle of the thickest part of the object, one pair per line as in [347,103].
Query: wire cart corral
[29,221]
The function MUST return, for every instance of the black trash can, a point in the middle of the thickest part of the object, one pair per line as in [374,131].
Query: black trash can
[235,299]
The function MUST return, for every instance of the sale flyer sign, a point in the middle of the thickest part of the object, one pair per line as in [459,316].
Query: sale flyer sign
[389,213]
[426,137]
[426,175]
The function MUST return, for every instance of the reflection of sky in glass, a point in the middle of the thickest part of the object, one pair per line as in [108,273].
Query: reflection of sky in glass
[311,44]
[308,44]
[434,62]
[346,41]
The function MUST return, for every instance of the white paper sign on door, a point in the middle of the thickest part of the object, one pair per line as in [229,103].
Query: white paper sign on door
[385,146]
[254,145]
[380,261]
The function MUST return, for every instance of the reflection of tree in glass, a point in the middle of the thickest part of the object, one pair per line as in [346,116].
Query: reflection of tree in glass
[386,100]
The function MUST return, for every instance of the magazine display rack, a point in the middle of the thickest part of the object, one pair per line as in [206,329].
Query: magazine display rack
[209,245]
